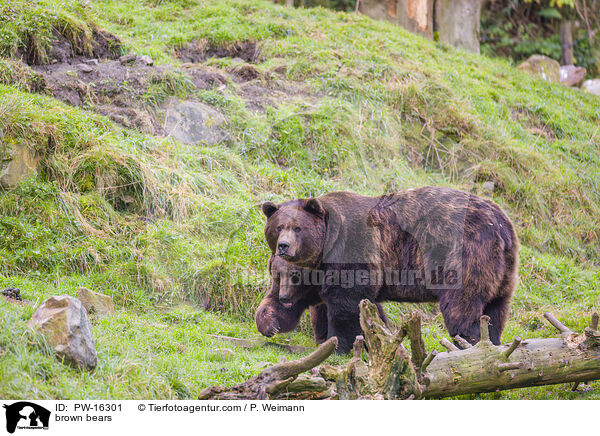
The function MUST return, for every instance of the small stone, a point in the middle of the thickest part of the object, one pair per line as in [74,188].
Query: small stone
[542,66]
[488,187]
[19,162]
[127,58]
[96,303]
[193,122]
[146,60]
[92,61]
[85,68]
[592,86]
[571,75]
[64,322]
[225,352]
[14,293]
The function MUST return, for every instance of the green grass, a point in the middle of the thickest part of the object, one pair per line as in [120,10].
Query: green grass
[157,224]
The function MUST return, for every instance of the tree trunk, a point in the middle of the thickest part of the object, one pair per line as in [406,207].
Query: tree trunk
[390,373]
[414,15]
[458,23]
[566,42]
[289,3]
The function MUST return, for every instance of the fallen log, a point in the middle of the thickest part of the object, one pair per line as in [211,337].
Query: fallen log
[257,343]
[390,372]
[532,362]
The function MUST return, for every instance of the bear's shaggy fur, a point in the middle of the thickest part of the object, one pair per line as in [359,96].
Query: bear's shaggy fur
[287,299]
[417,245]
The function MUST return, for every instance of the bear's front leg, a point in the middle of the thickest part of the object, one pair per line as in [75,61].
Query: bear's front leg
[272,317]
[267,320]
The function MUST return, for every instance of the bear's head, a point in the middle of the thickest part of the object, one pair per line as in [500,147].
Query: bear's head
[296,230]
[293,282]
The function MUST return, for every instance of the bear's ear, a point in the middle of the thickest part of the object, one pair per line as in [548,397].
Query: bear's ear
[313,205]
[269,208]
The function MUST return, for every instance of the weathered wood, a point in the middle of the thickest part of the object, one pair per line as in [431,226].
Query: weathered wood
[458,23]
[358,346]
[417,345]
[463,344]
[279,380]
[390,373]
[257,343]
[414,15]
[428,359]
[537,362]
[566,42]
[449,345]
[515,343]
[557,324]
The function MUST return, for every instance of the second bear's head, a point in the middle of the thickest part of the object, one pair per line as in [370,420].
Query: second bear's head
[296,230]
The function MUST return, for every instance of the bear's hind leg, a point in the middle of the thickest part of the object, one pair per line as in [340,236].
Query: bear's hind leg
[498,310]
[318,319]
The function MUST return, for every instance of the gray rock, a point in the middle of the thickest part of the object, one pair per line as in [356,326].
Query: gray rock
[145,60]
[193,122]
[64,322]
[592,86]
[225,353]
[17,162]
[127,58]
[543,66]
[91,61]
[571,75]
[95,303]
[85,68]
[488,187]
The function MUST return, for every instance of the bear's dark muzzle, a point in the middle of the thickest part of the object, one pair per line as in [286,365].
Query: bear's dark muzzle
[283,247]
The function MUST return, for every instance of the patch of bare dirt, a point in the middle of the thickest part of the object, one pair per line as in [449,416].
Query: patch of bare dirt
[272,92]
[125,88]
[533,123]
[119,89]
[104,45]
[199,51]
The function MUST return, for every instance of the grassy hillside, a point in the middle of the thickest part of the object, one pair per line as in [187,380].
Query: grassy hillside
[331,101]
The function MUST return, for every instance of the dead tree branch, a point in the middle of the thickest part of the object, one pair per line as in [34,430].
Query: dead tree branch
[391,373]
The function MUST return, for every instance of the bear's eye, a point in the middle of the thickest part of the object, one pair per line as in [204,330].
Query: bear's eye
[297,229]
[279,228]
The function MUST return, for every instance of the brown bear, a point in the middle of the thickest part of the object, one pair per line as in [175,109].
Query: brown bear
[280,313]
[287,299]
[416,245]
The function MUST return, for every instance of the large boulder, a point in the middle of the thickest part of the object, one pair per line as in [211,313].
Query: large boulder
[543,66]
[193,122]
[64,322]
[17,161]
[95,303]
[592,86]
[571,75]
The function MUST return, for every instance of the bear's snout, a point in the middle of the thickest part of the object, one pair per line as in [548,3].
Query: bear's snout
[283,247]
[285,300]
